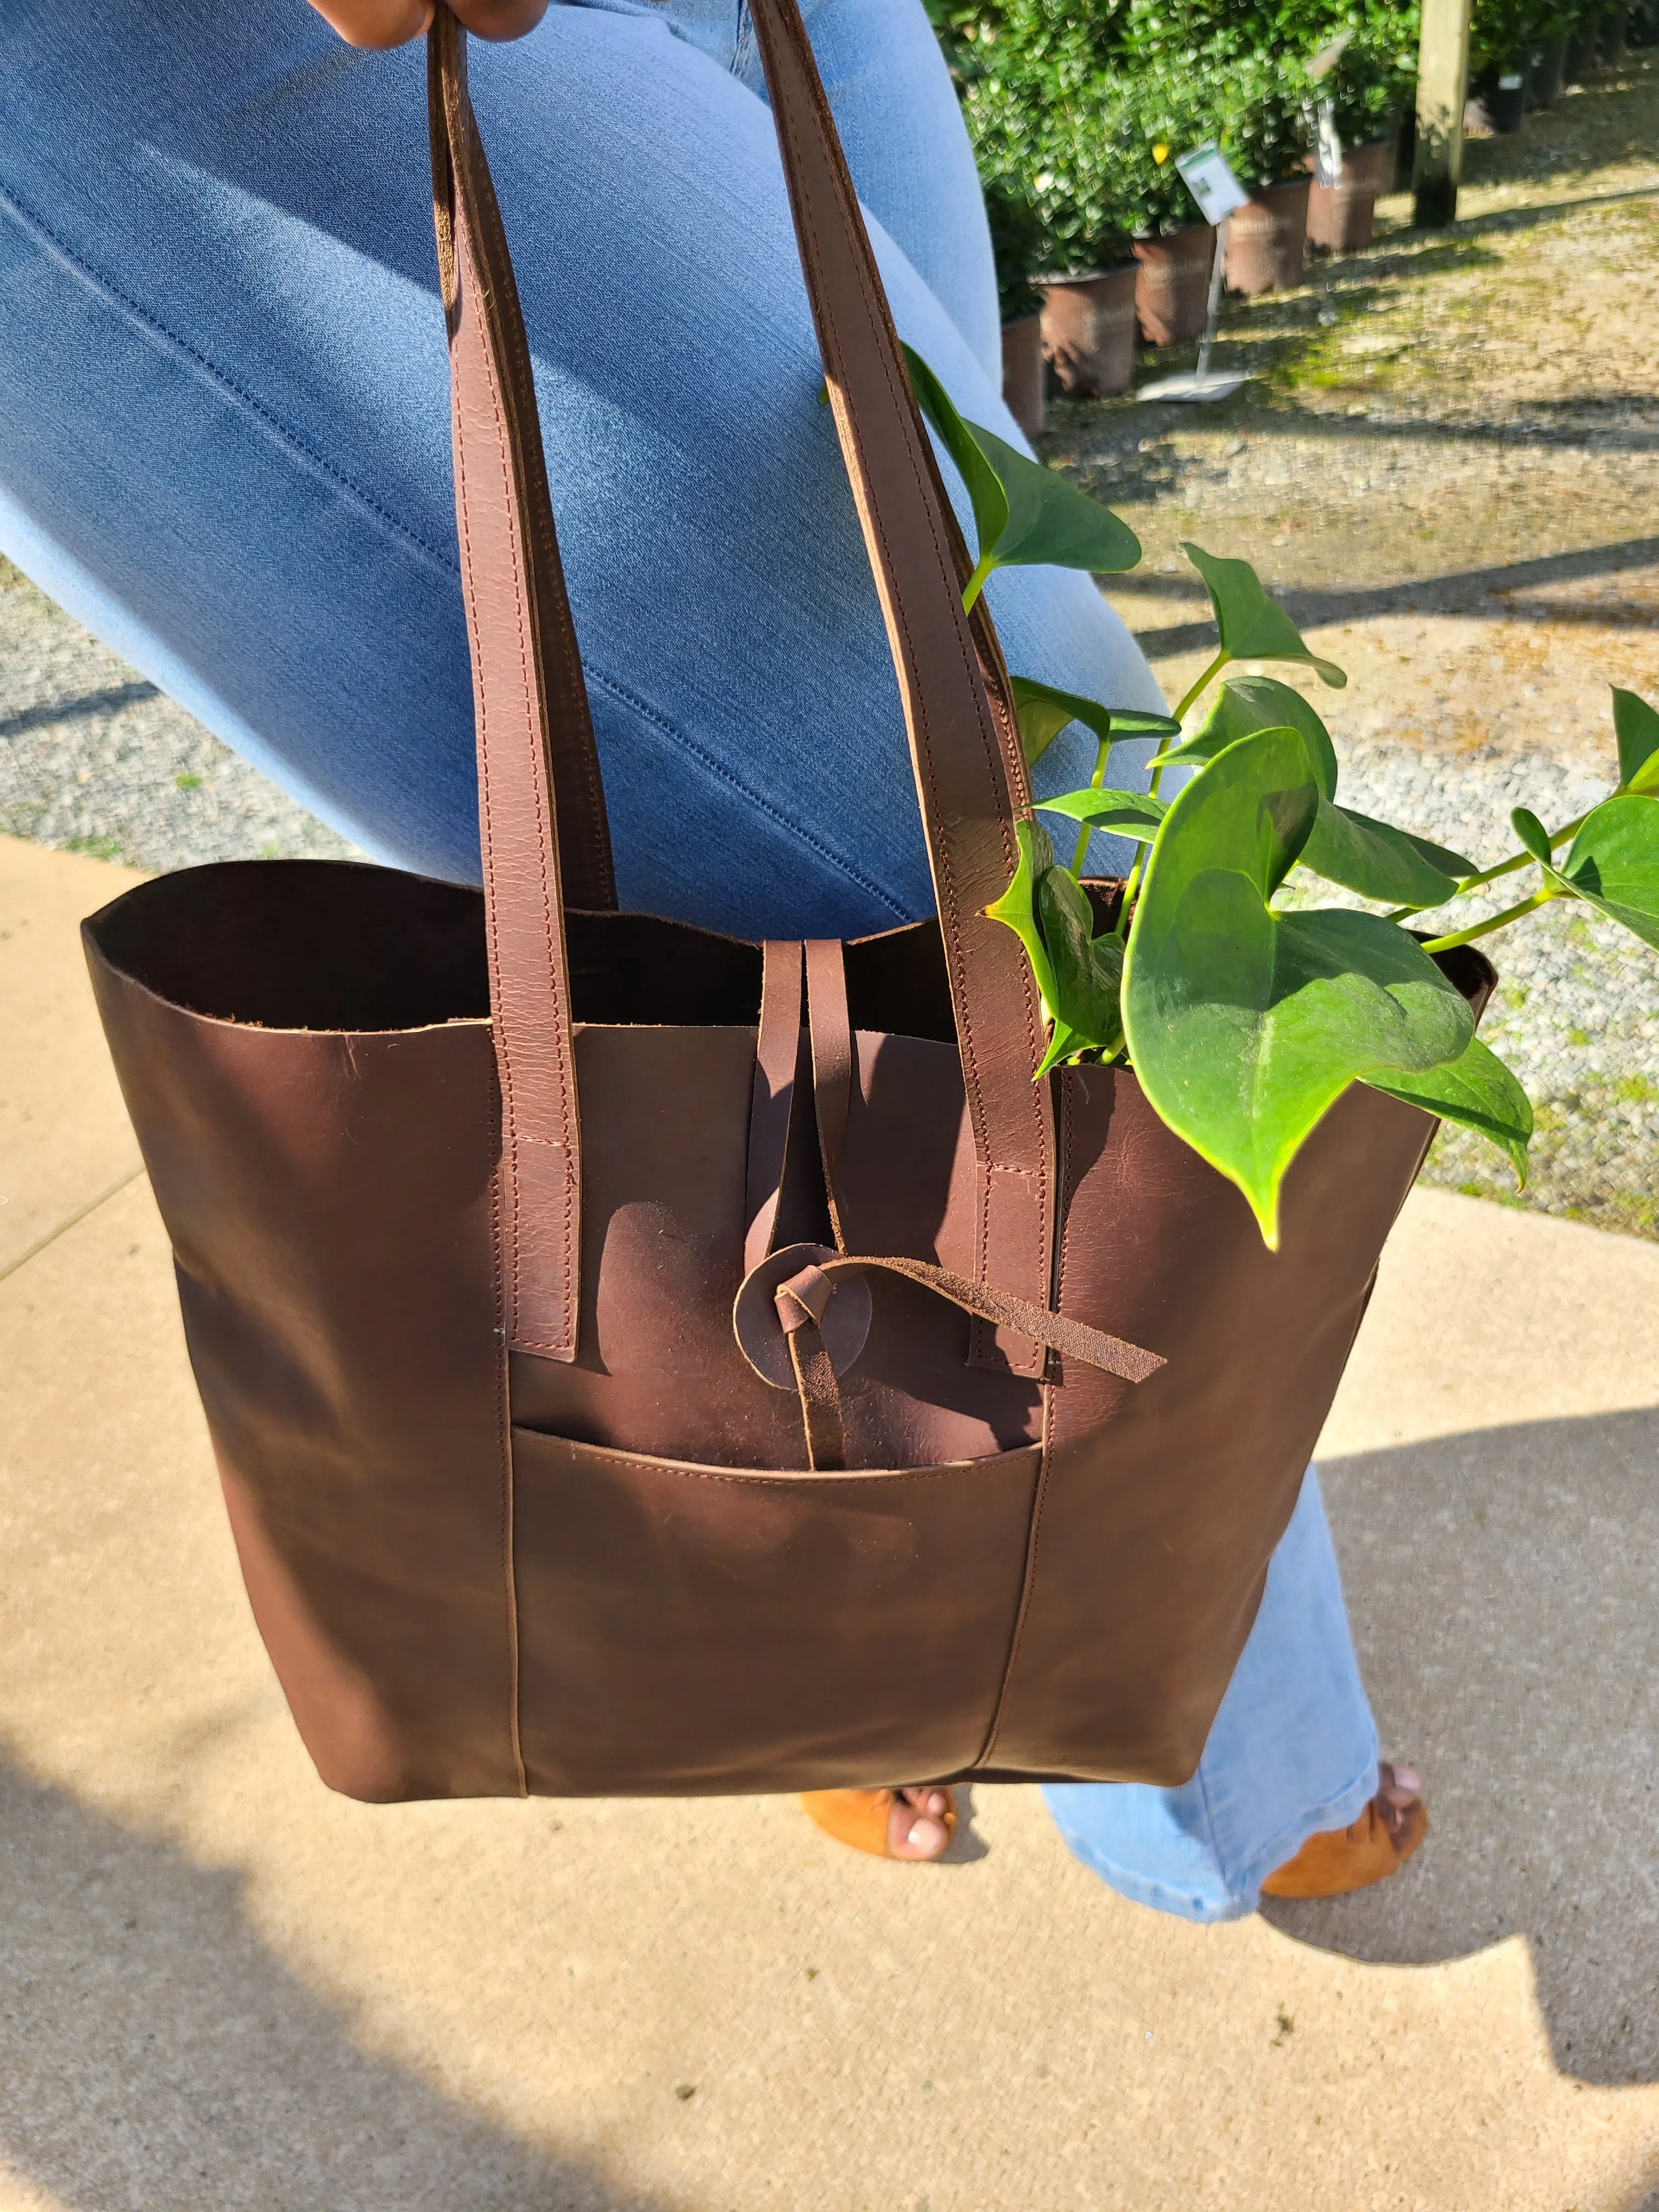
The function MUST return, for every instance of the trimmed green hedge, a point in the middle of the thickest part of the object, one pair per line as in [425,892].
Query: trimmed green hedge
[1076,110]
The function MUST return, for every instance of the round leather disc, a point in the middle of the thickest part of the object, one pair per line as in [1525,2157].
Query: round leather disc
[846,1326]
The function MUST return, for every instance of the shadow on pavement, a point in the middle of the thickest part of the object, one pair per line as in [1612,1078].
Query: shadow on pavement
[1484,591]
[1505,1590]
[152,2051]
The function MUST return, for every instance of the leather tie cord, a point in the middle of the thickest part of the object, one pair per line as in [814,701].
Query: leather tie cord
[804,1300]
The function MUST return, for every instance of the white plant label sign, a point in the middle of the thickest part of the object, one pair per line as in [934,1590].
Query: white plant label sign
[1212,183]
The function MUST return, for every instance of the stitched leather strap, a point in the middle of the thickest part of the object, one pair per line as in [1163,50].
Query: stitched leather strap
[833,1071]
[534,729]
[533,724]
[777,1047]
[964,742]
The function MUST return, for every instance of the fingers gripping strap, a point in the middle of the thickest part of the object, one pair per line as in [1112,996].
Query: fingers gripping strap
[531,712]
[965,748]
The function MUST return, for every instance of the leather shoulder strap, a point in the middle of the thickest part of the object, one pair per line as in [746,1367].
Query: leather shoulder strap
[535,738]
[533,725]
[964,742]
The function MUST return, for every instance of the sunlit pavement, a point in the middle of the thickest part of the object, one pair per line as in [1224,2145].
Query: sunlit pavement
[220,1987]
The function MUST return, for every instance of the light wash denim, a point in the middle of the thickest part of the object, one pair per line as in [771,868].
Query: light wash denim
[1293,1750]
[224,445]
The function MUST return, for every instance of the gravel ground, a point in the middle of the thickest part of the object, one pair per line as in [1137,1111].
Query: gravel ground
[1577,1011]
[1448,468]
[95,760]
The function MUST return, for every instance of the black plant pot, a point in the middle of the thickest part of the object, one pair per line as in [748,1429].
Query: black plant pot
[1581,51]
[1499,97]
[1405,151]
[1548,64]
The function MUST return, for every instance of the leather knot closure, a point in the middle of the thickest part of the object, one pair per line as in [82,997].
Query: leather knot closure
[796,1335]
[804,1298]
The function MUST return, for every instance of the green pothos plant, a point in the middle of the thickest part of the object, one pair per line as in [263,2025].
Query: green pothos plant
[1244,1012]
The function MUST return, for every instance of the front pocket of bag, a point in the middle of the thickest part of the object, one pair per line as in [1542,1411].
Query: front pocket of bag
[686,1629]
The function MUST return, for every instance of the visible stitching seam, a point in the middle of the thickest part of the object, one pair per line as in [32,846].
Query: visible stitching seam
[545,838]
[1066,1132]
[988,738]
[784,1479]
[504,1446]
[27,220]
[758,799]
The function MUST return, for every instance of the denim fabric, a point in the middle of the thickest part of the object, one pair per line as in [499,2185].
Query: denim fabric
[222,385]
[1294,1751]
[224,445]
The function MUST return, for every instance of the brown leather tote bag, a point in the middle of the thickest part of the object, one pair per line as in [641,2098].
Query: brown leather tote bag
[642,1361]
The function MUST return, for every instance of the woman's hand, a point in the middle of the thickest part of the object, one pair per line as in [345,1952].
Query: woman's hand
[394,22]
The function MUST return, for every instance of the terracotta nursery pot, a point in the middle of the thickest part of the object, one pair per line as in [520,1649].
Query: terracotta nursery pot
[1340,216]
[1267,240]
[1023,374]
[1172,291]
[1089,330]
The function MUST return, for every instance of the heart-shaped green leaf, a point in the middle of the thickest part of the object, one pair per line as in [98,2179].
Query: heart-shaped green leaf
[1363,856]
[1636,724]
[1533,833]
[1063,1044]
[1253,627]
[1477,1089]
[1044,711]
[1127,813]
[1381,862]
[1087,970]
[1613,863]
[1051,523]
[1078,974]
[1244,1026]
[1017,908]
[1026,516]
[986,496]
[1244,705]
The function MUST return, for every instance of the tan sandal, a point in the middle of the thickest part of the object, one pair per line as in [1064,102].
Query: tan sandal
[1341,1860]
[862,1819]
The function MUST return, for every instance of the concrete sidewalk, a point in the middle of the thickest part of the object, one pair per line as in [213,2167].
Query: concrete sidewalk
[220,1987]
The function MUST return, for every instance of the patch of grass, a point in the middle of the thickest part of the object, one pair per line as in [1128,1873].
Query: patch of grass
[189,780]
[1635,1091]
[96,848]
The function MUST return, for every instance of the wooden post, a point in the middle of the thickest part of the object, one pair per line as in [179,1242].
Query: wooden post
[1443,69]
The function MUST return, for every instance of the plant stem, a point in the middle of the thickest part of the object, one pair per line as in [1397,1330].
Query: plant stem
[1498,921]
[976,583]
[1491,875]
[1212,670]
[1086,829]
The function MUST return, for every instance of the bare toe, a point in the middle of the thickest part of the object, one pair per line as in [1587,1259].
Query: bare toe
[916,1825]
[1401,1788]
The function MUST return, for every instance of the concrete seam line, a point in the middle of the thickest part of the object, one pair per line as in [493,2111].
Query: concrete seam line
[73,1220]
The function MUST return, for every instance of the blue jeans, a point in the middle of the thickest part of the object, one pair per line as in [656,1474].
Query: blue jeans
[224,445]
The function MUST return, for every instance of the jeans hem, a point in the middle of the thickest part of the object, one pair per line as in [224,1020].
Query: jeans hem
[1244,1897]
